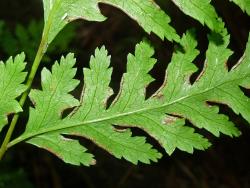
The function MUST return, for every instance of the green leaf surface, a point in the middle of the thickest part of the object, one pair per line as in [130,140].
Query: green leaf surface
[70,151]
[11,79]
[149,16]
[162,115]
[243,4]
[193,104]
[55,98]
[57,13]
[202,11]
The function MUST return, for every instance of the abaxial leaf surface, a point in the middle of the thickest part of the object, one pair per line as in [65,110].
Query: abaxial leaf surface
[54,98]
[57,13]
[162,115]
[11,79]
[202,11]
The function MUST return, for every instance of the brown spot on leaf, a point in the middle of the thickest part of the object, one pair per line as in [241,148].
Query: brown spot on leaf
[159,96]
[169,120]
[202,72]
[71,18]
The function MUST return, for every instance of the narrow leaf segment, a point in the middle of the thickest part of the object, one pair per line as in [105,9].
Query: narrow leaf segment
[11,79]
[202,11]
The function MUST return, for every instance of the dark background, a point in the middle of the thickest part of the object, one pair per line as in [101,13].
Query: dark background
[225,165]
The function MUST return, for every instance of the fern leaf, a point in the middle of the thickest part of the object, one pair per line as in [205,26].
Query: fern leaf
[162,115]
[11,79]
[243,4]
[202,11]
[188,100]
[55,98]
[57,13]
[149,16]
[49,106]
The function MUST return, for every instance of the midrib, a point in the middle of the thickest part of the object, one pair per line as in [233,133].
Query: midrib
[120,115]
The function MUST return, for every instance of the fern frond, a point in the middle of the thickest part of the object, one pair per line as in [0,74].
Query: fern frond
[57,13]
[162,115]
